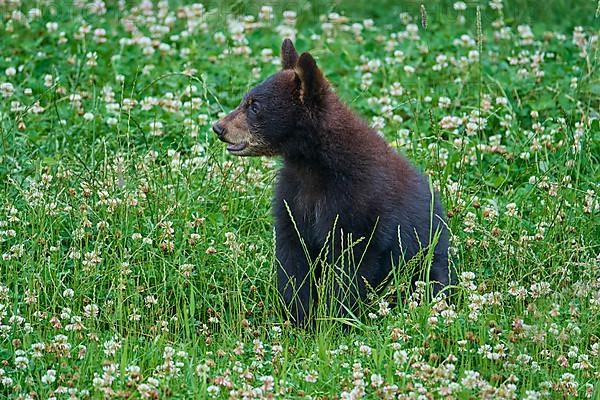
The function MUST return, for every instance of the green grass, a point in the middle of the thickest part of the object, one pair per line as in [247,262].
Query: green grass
[137,256]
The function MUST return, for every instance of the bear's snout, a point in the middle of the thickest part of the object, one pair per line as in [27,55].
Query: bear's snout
[218,129]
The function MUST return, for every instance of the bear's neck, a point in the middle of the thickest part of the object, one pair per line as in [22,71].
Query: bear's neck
[333,144]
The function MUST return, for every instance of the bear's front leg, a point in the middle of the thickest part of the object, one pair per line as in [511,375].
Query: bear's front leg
[295,278]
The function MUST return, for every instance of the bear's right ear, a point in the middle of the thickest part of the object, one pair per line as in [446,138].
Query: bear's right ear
[289,55]
[313,84]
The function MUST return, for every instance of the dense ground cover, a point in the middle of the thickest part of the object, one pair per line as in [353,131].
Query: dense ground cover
[137,255]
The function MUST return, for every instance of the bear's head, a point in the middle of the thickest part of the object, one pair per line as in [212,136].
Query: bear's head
[268,117]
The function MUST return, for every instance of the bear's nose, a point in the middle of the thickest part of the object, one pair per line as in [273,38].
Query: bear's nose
[219,130]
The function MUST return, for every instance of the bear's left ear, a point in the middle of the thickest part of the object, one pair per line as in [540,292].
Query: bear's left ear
[289,55]
[313,83]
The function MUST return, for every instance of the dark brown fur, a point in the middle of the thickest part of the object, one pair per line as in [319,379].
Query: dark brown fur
[337,173]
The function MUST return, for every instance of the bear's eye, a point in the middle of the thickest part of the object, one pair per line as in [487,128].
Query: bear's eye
[254,107]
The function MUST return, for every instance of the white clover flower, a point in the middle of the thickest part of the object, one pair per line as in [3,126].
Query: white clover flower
[511,209]
[409,69]
[7,89]
[92,59]
[496,5]
[213,390]
[51,26]
[460,6]
[444,102]
[266,13]
[311,377]
[21,362]
[364,349]
[111,346]
[49,377]
[219,38]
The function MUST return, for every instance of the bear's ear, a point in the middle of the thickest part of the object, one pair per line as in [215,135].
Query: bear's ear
[289,55]
[313,84]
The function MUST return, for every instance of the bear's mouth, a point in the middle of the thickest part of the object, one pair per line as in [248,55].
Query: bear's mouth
[236,147]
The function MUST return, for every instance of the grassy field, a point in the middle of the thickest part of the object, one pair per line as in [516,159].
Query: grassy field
[137,255]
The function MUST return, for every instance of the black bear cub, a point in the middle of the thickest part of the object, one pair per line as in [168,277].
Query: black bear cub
[340,183]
